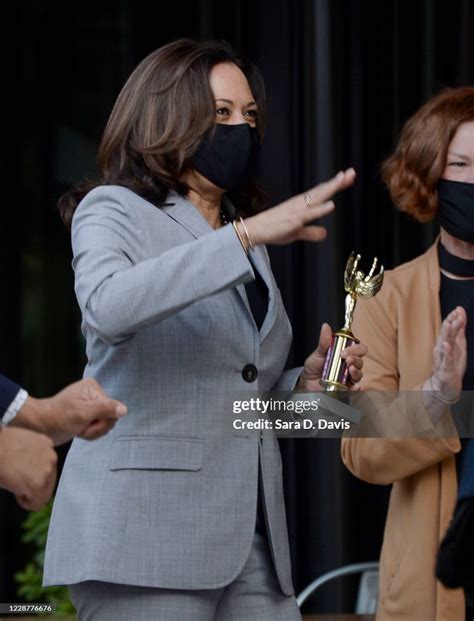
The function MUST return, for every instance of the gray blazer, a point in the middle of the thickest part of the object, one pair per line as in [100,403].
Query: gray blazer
[168,498]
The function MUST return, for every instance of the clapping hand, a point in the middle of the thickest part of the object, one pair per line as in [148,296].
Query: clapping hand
[449,357]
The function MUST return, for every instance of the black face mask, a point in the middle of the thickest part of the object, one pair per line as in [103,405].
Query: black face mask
[456,208]
[227,156]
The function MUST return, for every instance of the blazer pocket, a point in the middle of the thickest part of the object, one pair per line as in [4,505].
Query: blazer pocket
[156,453]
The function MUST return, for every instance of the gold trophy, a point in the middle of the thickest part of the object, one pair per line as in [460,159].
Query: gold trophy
[336,373]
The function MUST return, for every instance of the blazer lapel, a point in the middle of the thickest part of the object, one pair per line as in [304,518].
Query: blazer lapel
[185,213]
[261,263]
[240,289]
[434,278]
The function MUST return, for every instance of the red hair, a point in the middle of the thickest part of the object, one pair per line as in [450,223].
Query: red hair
[412,172]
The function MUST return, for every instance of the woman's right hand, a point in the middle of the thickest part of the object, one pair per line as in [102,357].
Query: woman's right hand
[290,221]
[449,357]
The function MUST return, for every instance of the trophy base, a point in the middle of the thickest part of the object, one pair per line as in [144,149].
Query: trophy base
[332,386]
[335,377]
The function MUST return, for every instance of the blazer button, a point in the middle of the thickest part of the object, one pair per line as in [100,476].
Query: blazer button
[249,372]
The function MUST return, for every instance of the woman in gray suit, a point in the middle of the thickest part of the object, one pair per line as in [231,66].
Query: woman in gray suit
[174,515]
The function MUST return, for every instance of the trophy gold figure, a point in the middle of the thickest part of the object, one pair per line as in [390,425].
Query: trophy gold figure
[336,373]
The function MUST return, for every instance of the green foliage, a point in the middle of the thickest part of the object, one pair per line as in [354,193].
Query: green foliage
[35,528]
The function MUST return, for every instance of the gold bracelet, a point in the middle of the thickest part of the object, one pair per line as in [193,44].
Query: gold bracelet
[240,237]
[249,241]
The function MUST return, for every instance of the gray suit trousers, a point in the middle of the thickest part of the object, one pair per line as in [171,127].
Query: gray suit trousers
[254,594]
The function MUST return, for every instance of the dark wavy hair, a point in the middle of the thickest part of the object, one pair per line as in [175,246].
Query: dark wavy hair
[158,121]
[412,172]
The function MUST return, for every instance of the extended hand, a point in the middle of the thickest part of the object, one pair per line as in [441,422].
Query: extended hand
[82,409]
[290,221]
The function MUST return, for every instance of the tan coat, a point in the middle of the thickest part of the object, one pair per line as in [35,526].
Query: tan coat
[400,327]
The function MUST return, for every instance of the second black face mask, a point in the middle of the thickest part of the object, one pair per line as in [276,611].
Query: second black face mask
[227,156]
[456,208]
